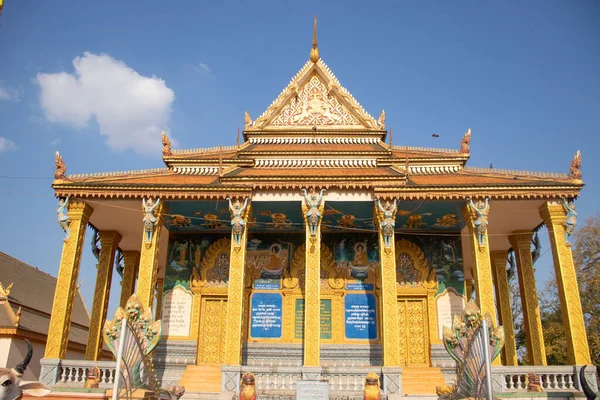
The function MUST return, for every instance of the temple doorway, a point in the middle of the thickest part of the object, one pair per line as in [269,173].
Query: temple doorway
[413,331]
[213,323]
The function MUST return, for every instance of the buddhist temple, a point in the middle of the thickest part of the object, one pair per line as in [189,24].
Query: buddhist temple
[316,248]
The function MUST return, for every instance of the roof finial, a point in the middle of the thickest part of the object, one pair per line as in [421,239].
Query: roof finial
[314,52]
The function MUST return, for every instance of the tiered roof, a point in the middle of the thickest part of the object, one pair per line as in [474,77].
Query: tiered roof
[316,134]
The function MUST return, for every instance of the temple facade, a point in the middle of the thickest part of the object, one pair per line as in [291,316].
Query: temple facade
[315,248]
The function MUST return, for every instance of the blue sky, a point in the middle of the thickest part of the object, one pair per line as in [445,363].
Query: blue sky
[523,75]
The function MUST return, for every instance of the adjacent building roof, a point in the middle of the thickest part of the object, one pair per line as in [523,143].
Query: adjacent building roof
[32,292]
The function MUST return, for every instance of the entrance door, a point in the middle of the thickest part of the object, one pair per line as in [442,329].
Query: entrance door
[213,321]
[413,330]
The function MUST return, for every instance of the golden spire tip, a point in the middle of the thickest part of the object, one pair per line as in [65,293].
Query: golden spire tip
[314,52]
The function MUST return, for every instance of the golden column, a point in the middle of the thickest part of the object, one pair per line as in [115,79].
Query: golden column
[160,284]
[476,217]
[153,222]
[109,240]
[312,208]
[386,217]
[521,244]
[235,295]
[64,294]
[505,317]
[131,262]
[555,218]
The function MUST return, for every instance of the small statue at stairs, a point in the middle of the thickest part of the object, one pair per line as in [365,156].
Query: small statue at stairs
[247,387]
[372,387]
[92,379]
[533,384]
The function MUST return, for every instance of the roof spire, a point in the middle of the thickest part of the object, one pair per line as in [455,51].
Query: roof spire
[314,52]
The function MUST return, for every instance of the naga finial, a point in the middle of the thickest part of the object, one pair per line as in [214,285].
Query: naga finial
[166,144]
[5,291]
[248,120]
[575,167]
[314,52]
[465,143]
[61,168]
[381,120]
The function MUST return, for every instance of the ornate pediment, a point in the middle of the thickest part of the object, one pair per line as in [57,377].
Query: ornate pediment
[315,98]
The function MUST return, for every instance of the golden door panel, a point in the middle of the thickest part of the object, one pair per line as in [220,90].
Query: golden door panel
[413,327]
[211,341]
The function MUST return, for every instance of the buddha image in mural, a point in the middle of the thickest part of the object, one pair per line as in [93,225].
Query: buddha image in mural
[267,258]
[444,254]
[355,255]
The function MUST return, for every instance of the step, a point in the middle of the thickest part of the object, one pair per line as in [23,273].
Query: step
[202,378]
[421,380]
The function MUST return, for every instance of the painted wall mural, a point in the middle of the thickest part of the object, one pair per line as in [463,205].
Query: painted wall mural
[356,255]
[187,252]
[268,257]
[444,254]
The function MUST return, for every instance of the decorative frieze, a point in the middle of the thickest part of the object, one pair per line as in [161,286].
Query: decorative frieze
[197,170]
[314,140]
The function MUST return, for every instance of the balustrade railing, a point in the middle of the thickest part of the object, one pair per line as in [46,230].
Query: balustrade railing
[552,378]
[72,373]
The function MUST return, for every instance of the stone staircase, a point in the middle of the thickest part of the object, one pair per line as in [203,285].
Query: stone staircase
[202,379]
[421,380]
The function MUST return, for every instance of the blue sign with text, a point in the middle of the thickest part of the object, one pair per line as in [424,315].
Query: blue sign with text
[359,286]
[266,315]
[361,316]
[267,284]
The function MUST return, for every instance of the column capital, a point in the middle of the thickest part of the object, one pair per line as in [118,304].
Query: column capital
[553,212]
[476,215]
[520,239]
[80,210]
[499,258]
[109,237]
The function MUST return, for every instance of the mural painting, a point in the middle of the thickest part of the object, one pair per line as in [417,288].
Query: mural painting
[444,254]
[356,255]
[269,256]
[186,253]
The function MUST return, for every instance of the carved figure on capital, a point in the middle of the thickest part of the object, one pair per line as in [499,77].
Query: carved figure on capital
[481,222]
[313,209]
[96,244]
[63,216]
[537,248]
[387,220]
[237,219]
[149,218]
[571,220]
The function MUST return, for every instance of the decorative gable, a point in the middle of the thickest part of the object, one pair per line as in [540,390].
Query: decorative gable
[315,98]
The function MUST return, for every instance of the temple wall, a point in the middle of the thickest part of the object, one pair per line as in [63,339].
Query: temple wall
[350,298]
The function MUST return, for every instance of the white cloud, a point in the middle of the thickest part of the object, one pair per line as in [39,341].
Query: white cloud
[55,141]
[130,109]
[7,144]
[10,93]
[200,67]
